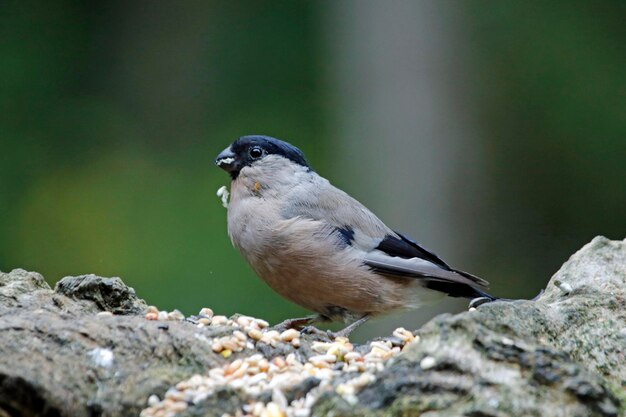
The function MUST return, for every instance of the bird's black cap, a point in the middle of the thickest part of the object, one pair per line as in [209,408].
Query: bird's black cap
[248,149]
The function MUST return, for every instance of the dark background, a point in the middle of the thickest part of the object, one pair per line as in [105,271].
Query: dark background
[493,132]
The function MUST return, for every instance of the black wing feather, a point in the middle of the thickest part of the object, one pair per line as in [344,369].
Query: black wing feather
[407,248]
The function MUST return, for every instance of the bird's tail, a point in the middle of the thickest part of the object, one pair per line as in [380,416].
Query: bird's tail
[481,293]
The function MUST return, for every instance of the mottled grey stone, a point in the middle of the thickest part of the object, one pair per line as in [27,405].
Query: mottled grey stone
[562,355]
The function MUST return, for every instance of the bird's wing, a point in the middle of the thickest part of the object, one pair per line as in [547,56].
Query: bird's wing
[319,200]
[402,257]
[385,251]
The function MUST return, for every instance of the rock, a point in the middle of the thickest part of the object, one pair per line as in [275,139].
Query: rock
[106,294]
[562,355]
[22,289]
[53,347]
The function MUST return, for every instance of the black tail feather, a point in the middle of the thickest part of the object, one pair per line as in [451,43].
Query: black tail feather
[455,289]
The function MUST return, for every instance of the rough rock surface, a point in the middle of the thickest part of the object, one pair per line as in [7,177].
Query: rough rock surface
[562,355]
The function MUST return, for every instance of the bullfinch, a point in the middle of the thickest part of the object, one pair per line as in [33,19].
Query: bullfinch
[320,248]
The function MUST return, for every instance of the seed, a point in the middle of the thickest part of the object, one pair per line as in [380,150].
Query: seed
[240,335]
[217,346]
[374,356]
[404,334]
[381,345]
[242,321]
[204,321]
[171,404]
[233,366]
[565,287]
[206,312]
[295,342]
[258,408]
[339,349]
[255,334]
[162,315]
[292,360]
[273,334]
[360,366]
[241,371]
[226,353]
[230,344]
[320,347]
[173,394]
[195,380]
[219,321]
[363,380]
[264,365]
[262,323]
[289,335]
[320,364]
[253,391]
[301,412]
[237,383]
[256,358]
[104,314]
[427,363]
[273,410]
[279,362]
[326,358]
[351,356]
[345,389]
[175,316]
[376,351]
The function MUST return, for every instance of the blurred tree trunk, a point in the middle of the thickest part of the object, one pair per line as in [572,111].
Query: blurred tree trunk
[406,146]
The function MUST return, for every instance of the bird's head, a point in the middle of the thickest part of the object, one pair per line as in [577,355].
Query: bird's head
[250,151]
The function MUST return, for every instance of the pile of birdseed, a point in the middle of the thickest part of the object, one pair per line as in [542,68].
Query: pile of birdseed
[267,384]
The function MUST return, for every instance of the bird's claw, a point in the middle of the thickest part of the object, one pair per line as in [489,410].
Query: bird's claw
[298,324]
[476,302]
[314,331]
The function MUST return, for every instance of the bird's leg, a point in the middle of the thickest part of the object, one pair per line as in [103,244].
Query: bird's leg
[305,324]
[345,332]
[298,323]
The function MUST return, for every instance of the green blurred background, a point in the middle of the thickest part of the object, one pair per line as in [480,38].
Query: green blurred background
[493,132]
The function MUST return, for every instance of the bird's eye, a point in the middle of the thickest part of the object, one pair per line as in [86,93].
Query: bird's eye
[256,152]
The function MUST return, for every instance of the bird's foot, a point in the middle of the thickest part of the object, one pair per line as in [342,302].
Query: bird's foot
[345,332]
[322,334]
[476,302]
[304,325]
[325,335]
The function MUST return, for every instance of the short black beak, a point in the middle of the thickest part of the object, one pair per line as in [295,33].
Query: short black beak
[227,160]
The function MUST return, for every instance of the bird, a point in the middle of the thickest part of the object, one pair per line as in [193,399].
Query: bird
[320,248]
